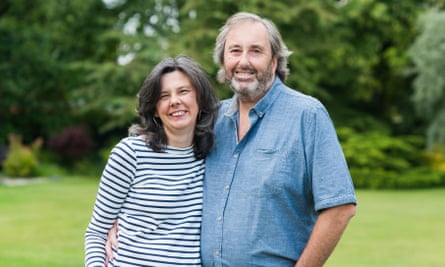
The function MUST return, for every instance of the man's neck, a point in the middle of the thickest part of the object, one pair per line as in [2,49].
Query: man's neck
[244,121]
[245,103]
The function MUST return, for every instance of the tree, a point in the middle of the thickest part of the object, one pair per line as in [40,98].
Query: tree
[63,62]
[38,47]
[30,76]
[106,90]
[428,55]
[350,54]
[67,62]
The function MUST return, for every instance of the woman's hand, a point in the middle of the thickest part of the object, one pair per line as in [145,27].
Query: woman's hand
[111,243]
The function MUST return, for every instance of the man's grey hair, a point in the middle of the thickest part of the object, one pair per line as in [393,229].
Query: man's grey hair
[279,48]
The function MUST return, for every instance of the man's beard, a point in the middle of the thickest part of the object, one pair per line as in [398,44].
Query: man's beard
[254,90]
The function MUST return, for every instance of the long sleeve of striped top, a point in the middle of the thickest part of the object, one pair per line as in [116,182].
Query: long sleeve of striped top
[157,200]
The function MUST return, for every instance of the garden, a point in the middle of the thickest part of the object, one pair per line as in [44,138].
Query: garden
[71,71]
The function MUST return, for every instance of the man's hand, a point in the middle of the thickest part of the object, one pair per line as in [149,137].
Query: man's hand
[111,243]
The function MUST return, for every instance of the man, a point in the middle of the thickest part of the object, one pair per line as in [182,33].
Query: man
[277,189]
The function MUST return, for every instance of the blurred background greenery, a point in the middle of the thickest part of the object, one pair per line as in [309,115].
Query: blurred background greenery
[70,72]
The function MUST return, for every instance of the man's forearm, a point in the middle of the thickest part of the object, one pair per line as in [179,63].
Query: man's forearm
[327,231]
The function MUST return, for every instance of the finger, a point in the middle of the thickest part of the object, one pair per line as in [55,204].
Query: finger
[112,235]
[108,252]
[111,242]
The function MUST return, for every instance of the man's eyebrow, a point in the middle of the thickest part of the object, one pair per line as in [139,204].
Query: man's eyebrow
[233,45]
[255,46]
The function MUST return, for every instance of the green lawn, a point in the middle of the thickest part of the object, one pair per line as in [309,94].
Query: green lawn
[395,229]
[42,225]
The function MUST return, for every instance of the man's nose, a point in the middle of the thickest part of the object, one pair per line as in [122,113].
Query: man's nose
[244,59]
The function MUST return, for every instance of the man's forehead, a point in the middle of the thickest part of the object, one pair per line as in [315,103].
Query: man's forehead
[248,33]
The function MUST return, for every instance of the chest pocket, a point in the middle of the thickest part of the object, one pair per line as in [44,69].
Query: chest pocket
[267,164]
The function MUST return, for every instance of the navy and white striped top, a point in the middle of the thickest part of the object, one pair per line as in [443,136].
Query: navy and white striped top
[157,199]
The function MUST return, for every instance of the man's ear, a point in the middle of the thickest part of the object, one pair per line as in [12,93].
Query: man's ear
[275,63]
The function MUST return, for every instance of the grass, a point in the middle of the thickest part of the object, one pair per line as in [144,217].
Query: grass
[42,225]
[394,228]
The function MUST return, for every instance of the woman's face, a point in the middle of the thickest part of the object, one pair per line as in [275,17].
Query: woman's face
[177,106]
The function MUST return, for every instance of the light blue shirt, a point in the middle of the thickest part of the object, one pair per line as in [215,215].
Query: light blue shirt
[262,195]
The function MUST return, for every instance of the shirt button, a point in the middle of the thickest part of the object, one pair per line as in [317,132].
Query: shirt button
[219,218]
[227,187]
[217,253]
[235,156]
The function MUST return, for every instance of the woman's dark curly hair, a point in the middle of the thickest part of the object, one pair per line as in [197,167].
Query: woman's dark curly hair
[149,95]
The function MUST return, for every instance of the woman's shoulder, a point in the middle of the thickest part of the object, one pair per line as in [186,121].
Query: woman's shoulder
[132,142]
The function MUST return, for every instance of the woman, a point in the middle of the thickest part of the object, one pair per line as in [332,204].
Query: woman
[152,183]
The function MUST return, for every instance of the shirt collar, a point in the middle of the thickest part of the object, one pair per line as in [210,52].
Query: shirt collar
[263,104]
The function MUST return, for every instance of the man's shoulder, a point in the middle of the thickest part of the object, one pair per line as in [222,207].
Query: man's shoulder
[226,102]
[298,99]
[224,105]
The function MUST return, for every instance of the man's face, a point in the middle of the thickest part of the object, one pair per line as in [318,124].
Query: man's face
[248,63]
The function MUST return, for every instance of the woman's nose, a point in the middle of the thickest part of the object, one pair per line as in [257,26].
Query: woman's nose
[175,99]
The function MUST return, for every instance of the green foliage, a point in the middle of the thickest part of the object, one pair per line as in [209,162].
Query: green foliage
[22,161]
[428,55]
[65,63]
[437,158]
[107,94]
[50,169]
[354,52]
[106,90]
[39,41]
[378,160]
[31,94]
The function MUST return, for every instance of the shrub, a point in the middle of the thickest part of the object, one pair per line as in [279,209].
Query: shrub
[71,142]
[377,160]
[414,178]
[437,158]
[3,154]
[21,160]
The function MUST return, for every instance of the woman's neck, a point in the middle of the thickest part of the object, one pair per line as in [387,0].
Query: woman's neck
[180,141]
